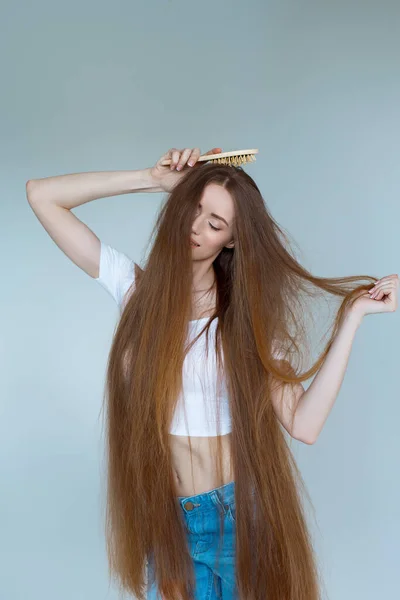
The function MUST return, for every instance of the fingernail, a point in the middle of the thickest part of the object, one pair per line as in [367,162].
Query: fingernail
[190,163]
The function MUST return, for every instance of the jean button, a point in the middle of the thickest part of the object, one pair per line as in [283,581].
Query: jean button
[189,505]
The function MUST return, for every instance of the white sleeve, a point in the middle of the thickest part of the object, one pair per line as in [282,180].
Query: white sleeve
[116,272]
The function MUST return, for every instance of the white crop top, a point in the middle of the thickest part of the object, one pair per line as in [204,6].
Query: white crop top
[199,381]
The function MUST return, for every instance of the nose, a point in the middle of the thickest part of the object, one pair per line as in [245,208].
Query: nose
[194,226]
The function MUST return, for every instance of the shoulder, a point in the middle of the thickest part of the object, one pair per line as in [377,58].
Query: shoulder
[117,272]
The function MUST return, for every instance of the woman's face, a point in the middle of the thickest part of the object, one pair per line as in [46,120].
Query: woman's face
[213,224]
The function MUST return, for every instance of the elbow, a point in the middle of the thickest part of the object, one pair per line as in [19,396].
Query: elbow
[302,438]
[30,184]
[306,439]
[309,441]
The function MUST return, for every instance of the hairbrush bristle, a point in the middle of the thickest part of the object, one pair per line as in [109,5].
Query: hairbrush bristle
[234,161]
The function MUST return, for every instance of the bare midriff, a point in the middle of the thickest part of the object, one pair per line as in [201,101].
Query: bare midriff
[204,452]
[204,449]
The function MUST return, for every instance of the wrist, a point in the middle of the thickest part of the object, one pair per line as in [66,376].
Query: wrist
[353,317]
[143,181]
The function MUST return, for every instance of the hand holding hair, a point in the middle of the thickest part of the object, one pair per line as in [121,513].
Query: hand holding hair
[382,297]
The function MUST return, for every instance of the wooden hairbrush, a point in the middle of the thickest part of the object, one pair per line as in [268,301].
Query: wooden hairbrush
[234,158]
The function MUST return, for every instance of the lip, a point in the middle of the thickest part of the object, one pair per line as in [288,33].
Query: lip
[197,245]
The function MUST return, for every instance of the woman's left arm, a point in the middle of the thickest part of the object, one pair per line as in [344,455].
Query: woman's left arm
[317,401]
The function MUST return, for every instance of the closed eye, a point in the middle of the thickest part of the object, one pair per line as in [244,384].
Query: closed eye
[212,226]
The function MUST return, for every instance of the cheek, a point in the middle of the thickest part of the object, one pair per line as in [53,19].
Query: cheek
[215,245]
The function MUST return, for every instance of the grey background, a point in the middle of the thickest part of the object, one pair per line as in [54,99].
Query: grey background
[100,86]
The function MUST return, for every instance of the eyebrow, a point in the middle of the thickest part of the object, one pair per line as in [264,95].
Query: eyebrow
[216,216]
[220,218]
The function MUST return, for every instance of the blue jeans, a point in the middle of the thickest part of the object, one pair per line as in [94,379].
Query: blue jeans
[201,514]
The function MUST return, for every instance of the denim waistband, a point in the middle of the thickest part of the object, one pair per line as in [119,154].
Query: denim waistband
[225,494]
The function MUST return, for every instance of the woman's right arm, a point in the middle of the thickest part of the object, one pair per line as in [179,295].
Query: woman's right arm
[52,199]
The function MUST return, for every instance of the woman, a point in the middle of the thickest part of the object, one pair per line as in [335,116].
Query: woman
[204,381]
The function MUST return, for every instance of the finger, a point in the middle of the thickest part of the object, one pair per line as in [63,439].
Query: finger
[171,150]
[169,154]
[166,156]
[196,154]
[214,151]
[378,284]
[382,293]
[194,157]
[374,292]
[174,158]
[387,278]
[381,285]
[382,289]
[183,158]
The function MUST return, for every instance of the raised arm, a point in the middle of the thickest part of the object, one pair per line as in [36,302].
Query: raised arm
[52,199]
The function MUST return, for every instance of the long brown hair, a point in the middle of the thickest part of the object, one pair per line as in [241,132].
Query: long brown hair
[261,289]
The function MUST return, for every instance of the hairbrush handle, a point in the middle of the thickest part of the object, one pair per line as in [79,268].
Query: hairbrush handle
[222,155]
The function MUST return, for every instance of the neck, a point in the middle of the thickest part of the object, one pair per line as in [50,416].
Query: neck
[203,277]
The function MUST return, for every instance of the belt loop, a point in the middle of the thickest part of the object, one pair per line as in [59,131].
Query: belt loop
[220,500]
